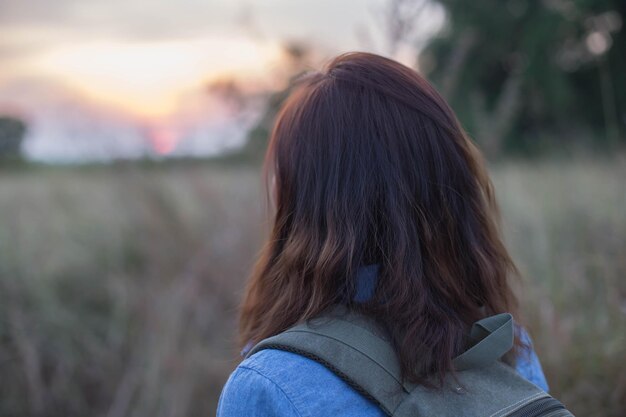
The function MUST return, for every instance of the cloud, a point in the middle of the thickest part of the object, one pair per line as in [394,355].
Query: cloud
[121,19]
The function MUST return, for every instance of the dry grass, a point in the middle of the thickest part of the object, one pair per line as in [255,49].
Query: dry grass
[566,226]
[118,287]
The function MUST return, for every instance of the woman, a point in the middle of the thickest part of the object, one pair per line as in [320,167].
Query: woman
[383,204]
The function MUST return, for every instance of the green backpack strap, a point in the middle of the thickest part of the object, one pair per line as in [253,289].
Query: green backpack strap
[353,348]
[358,350]
[491,338]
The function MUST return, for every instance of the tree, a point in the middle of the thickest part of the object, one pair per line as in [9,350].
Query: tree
[12,132]
[518,71]
[298,60]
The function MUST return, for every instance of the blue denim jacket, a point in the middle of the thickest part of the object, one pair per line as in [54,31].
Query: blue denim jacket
[284,384]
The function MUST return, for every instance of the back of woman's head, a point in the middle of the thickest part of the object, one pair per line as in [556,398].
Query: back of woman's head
[371,166]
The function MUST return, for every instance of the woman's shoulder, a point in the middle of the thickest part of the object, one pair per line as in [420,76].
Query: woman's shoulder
[281,383]
[251,390]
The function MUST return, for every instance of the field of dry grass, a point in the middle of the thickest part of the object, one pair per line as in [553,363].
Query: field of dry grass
[118,286]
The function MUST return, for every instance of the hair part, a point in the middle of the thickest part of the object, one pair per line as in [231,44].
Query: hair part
[371,165]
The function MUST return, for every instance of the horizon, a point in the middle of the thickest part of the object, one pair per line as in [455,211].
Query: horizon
[150,66]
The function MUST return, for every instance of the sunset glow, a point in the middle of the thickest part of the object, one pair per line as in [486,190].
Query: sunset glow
[106,79]
[149,78]
[164,139]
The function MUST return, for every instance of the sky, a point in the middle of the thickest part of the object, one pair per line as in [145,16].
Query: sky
[142,62]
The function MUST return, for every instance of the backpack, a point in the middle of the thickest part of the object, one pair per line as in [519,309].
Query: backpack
[358,351]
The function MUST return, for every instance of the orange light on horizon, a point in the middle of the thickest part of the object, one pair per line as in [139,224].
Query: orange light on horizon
[149,79]
[163,139]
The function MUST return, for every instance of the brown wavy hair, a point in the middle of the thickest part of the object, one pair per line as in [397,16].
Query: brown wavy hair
[370,166]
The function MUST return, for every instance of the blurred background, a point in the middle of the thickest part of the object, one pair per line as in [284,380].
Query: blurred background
[131,207]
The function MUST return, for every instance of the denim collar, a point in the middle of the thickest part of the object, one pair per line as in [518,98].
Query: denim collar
[366,277]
